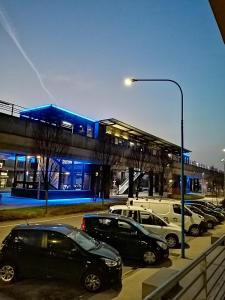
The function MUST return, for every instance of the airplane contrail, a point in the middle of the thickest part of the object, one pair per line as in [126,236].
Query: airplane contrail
[7,27]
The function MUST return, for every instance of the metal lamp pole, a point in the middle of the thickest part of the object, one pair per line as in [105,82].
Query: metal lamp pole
[223,160]
[129,82]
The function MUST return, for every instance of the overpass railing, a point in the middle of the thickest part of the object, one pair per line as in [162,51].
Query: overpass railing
[10,108]
[204,278]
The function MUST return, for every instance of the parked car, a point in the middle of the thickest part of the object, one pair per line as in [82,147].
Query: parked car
[207,204]
[60,251]
[210,219]
[151,222]
[170,211]
[127,236]
[220,216]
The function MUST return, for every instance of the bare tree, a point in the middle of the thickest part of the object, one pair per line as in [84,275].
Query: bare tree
[106,154]
[164,162]
[141,158]
[49,146]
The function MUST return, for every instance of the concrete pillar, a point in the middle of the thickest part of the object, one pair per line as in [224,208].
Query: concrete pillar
[156,182]
[150,182]
[131,183]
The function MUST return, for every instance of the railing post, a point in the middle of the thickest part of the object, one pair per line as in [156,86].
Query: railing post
[12,111]
[205,275]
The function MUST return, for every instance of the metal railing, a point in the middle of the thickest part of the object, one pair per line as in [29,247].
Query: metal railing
[204,278]
[10,108]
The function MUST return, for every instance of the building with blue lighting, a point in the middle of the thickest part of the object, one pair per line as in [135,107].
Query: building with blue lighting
[71,155]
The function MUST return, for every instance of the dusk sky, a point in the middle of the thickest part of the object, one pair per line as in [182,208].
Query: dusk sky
[76,54]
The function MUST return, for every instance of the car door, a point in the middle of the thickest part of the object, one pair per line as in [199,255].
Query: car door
[177,216]
[30,252]
[152,223]
[126,239]
[65,258]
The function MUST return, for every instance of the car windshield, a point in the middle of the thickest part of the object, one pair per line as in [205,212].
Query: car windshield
[83,240]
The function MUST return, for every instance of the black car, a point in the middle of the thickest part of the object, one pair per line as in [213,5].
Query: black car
[59,251]
[127,236]
[205,208]
[207,204]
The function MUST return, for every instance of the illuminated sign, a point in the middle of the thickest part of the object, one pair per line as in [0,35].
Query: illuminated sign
[1,165]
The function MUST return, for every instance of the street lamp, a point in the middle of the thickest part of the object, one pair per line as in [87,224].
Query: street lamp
[223,160]
[128,82]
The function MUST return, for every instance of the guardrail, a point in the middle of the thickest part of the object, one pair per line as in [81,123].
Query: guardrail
[204,278]
[10,108]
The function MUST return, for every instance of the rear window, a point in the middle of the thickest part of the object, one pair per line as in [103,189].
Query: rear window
[32,238]
[99,223]
[116,211]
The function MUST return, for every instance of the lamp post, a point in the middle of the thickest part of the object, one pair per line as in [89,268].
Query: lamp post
[129,82]
[223,160]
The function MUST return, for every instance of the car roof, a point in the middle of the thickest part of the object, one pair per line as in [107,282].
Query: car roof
[106,215]
[162,201]
[131,207]
[62,228]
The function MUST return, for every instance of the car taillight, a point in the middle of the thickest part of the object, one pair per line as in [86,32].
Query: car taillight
[83,225]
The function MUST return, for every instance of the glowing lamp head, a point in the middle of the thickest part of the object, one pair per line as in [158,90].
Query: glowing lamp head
[128,81]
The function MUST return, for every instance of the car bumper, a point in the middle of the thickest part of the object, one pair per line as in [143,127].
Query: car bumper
[113,275]
[203,226]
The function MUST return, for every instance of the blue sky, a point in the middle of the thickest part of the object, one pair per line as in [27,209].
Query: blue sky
[83,49]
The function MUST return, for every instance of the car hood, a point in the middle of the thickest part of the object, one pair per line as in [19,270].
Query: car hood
[157,237]
[105,250]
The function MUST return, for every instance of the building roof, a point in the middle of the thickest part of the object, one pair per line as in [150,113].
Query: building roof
[143,136]
[218,8]
[54,114]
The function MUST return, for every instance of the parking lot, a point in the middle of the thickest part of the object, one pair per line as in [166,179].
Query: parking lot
[133,273]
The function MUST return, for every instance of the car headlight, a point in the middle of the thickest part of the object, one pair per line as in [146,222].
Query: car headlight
[109,262]
[162,245]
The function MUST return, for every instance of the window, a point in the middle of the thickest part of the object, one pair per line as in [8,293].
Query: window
[30,237]
[124,227]
[177,210]
[133,214]
[59,242]
[151,220]
[104,224]
[89,131]
[83,240]
[117,211]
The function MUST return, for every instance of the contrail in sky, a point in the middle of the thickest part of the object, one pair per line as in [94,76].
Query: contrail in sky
[6,25]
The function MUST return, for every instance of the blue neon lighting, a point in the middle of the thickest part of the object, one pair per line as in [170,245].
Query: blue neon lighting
[58,108]
[35,108]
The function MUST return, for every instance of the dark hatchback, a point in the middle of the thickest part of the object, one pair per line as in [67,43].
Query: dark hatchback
[59,251]
[127,236]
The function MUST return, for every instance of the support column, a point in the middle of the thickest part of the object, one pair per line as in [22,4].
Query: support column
[156,182]
[161,183]
[60,175]
[24,172]
[131,183]
[15,171]
[150,181]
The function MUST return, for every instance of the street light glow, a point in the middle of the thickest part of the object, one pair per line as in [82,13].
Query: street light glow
[223,149]
[128,81]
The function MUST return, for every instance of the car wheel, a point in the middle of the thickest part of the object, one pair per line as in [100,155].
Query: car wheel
[172,240]
[7,272]
[195,230]
[92,281]
[149,257]
[210,224]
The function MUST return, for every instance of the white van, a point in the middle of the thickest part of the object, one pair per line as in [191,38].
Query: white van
[150,221]
[171,211]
